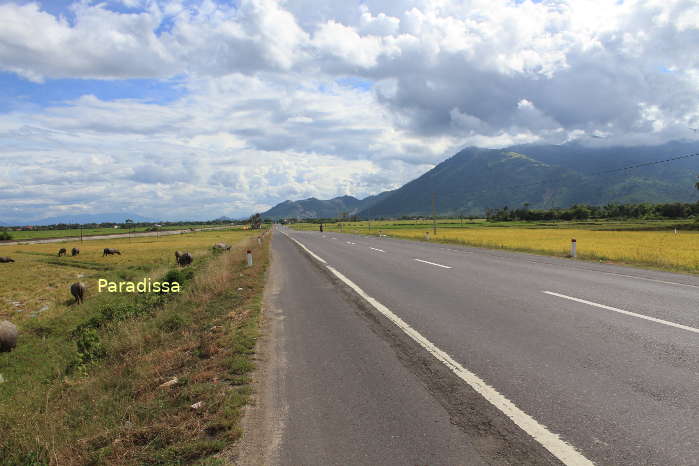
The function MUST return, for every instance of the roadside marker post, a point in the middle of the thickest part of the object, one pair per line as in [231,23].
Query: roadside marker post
[573,247]
[249,258]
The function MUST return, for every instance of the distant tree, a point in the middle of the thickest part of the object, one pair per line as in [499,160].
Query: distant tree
[256,221]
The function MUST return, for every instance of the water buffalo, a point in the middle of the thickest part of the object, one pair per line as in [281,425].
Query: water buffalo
[6,259]
[178,254]
[61,252]
[74,252]
[110,251]
[8,336]
[222,247]
[78,291]
[185,259]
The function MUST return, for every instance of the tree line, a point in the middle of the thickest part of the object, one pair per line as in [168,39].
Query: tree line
[674,210]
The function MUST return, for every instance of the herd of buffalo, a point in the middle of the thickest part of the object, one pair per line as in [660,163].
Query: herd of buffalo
[8,331]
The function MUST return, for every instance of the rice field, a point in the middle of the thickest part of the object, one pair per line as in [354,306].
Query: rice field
[37,284]
[41,234]
[663,249]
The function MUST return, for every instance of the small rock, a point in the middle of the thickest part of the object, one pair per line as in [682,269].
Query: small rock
[169,383]
[240,289]
[197,405]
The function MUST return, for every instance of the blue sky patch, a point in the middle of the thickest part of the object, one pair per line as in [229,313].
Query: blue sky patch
[356,83]
[17,93]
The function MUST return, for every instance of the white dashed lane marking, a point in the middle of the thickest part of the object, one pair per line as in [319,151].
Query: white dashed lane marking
[433,263]
[628,313]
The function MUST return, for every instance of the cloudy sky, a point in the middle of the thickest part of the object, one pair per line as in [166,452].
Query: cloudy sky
[193,109]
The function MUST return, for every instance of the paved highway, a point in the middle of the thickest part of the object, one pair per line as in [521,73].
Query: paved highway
[389,351]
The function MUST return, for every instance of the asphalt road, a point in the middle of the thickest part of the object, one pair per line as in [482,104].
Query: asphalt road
[459,355]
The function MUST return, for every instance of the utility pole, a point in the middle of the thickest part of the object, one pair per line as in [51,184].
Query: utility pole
[434,219]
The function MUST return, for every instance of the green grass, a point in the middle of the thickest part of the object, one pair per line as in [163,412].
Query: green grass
[83,384]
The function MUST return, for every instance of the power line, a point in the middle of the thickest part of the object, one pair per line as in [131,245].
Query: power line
[604,172]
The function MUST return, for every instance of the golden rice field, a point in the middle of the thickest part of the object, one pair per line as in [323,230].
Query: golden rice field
[658,249]
[37,284]
[662,249]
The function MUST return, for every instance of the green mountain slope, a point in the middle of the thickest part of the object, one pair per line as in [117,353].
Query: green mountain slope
[476,179]
[317,208]
[548,176]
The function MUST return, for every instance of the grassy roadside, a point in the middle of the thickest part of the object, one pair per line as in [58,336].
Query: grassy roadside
[610,242]
[86,389]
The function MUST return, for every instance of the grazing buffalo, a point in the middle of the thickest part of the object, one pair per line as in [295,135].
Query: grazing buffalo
[74,252]
[61,252]
[6,259]
[185,259]
[178,254]
[222,247]
[8,336]
[78,291]
[110,251]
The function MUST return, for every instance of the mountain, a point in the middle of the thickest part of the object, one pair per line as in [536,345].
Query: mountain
[543,176]
[90,218]
[317,208]
[476,179]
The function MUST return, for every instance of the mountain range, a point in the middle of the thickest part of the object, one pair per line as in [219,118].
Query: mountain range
[542,176]
[317,208]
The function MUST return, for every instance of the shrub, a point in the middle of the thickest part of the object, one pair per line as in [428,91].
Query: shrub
[89,346]
[5,235]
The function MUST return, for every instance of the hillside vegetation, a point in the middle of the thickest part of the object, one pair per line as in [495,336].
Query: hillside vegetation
[476,180]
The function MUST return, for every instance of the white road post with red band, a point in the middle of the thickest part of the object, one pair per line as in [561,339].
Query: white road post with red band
[573,252]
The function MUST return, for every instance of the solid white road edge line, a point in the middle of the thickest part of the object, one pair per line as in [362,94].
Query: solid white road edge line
[432,263]
[628,313]
[307,250]
[559,448]
[376,249]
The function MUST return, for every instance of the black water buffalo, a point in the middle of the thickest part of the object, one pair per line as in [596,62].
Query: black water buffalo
[74,252]
[8,336]
[184,259]
[6,259]
[110,251]
[78,291]
[178,254]
[61,252]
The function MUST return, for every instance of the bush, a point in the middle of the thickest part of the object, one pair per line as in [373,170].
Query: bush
[89,346]
[172,323]
[178,275]
[5,235]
